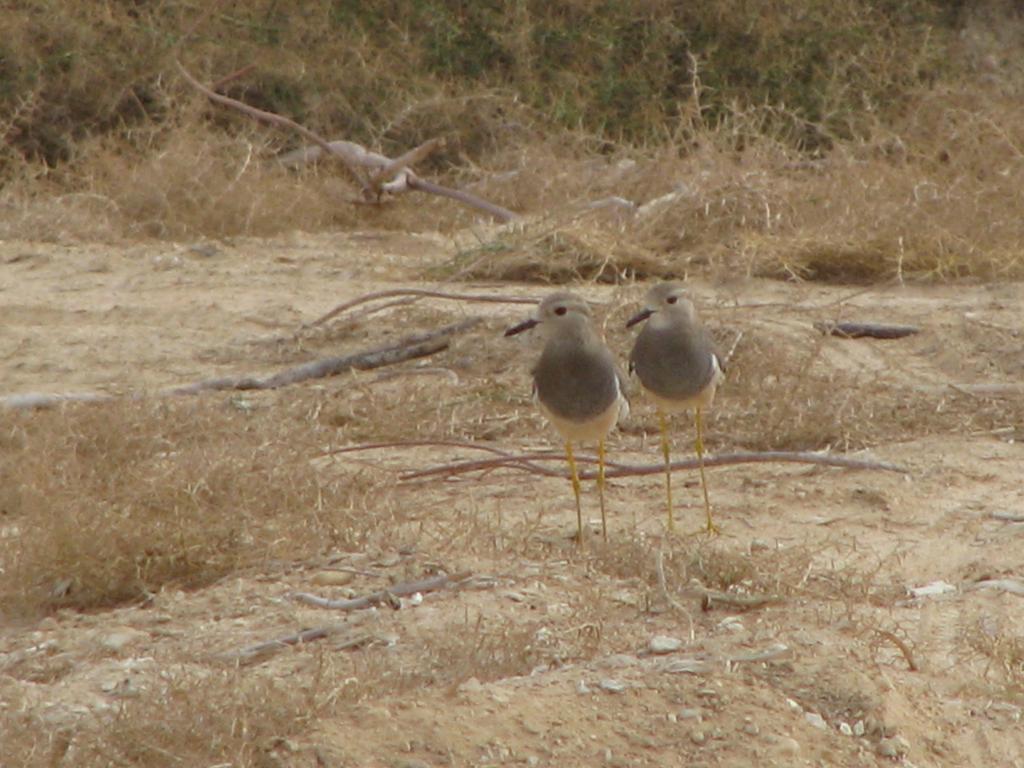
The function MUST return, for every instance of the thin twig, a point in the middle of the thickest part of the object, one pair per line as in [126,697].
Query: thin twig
[524,458]
[432,584]
[899,643]
[217,86]
[659,565]
[419,293]
[524,462]
[262,651]
[866,330]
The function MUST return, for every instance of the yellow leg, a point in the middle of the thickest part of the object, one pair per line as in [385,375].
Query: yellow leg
[575,489]
[703,481]
[600,486]
[668,469]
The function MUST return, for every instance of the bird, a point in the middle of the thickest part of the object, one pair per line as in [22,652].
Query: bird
[576,384]
[678,368]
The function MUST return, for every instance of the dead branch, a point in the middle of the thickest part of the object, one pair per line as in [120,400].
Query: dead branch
[415,346]
[713,598]
[524,462]
[866,330]
[1010,586]
[1007,517]
[262,651]
[406,160]
[523,459]
[350,161]
[389,595]
[460,195]
[388,175]
[418,345]
[30,400]
[904,649]
[418,293]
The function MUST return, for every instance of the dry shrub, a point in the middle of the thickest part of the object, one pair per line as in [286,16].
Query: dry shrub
[487,650]
[194,182]
[1003,653]
[184,718]
[115,501]
[713,564]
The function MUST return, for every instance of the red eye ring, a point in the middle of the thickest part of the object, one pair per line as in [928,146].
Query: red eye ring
[560,310]
[672,299]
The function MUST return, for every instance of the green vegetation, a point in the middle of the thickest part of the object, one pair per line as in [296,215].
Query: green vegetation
[852,141]
[625,71]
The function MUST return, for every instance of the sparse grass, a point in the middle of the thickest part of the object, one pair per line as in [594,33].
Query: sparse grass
[185,717]
[113,502]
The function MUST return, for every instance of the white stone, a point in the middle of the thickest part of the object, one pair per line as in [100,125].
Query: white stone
[816,720]
[612,686]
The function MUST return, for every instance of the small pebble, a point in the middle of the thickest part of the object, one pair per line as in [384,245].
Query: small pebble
[731,624]
[759,544]
[858,728]
[895,746]
[663,644]
[48,624]
[698,736]
[751,729]
[689,714]
[794,706]
[845,729]
[816,720]
[582,687]
[612,686]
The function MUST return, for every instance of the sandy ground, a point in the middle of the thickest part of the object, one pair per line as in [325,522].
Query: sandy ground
[848,667]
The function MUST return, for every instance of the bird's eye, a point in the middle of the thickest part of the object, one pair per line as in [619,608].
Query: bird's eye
[672,299]
[560,310]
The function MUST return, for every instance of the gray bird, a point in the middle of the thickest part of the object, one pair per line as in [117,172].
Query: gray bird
[576,383]
[676,362]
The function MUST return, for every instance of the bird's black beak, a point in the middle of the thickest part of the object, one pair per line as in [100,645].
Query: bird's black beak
[639,317]
[523,326]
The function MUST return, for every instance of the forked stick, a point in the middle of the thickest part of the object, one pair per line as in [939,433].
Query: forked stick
[387,174]
[280,121]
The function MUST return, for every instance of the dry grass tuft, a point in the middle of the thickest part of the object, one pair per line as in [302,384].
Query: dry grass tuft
[185,717]
[557,254]
[998,643]
[116,501]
